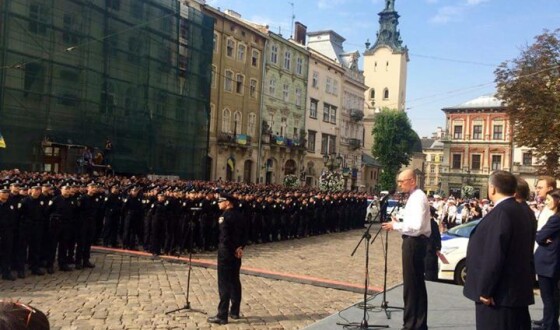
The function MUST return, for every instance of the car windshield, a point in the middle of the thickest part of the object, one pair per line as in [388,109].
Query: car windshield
[463,230]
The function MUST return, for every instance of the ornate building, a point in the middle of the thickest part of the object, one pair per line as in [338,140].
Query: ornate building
[478,141]
[75,73]
[433,153]
[236,95]
[283,136]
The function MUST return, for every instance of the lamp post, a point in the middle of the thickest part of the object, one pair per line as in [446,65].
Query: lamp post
[332,161]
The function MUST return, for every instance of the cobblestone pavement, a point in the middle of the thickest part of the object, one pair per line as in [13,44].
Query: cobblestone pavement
[131,292]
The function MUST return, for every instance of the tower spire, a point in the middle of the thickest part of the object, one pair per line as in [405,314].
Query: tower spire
[389,5]
[388,34]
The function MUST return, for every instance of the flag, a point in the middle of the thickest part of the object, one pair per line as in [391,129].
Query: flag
[2,141]
[231,163]
[241,139]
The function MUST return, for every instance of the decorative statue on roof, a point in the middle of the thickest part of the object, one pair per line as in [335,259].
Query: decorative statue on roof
[389,5]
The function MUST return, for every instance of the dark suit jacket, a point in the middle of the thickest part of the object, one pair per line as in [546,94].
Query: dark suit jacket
[499,257]
[547,256]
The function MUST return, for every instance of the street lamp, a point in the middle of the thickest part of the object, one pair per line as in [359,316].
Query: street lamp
[332,161]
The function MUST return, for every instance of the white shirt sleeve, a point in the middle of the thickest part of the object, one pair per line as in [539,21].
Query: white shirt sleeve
[416,220]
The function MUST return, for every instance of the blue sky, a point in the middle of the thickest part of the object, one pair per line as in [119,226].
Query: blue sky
[454,45]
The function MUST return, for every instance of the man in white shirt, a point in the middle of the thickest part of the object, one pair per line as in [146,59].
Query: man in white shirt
[416,230]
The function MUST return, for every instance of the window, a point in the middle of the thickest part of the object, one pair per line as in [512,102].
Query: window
[498,133]
[237,123]
[385,93]
[228,83]
[315,82]
[274,54]
[69,35]
[528,158]
[184,29]
[328,88]
[328,144]
[214,75]
[272,87]
[458,132]
[432,168]
[216,41]
[335,88]
[313,109]
[496,162]
[34,80]
[38,19]
[239,84]
[286,92]
[298,97]
[477,132]
[255,58]
[134,50]
[251,125]
[253,88]
[299,66]
[241,52]
[212,117]
[311,141]
[456,161]
[229,47]
[226,118]
[372,94]
[475,162]
[287,60]
[329,113]
[113,4]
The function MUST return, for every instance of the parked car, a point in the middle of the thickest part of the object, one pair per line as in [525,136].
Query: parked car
[371,211]
[453,255]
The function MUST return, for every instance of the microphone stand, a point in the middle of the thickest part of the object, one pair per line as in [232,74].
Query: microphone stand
[384,303]
[364,324]
[187,306]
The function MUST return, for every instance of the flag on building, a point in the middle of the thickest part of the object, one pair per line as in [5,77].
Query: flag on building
[241,139]
[2,141]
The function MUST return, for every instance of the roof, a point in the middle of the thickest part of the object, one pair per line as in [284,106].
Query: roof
[426,143]
[368,160]
[481,102]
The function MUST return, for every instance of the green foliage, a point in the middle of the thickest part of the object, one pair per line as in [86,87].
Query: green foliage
[393,144]
[530,87]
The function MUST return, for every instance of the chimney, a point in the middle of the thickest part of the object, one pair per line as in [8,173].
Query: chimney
[300,33]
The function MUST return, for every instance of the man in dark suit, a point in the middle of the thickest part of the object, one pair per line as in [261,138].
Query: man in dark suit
[499,260]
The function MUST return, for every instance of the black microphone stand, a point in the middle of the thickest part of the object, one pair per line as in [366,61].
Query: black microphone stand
[384,303]
[364,324]
[187,306]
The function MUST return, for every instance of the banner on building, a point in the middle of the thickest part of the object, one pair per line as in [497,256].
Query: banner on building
[2,141]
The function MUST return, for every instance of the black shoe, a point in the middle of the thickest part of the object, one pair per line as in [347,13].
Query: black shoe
[78,266]
[65,268]
[8,277]
[37,272]
[234,316]
[88,264]
[50,270]
[217,320]
[21,274]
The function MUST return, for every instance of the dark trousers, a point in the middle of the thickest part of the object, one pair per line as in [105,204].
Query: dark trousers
[551,301]
[86,236]
[414,288]
[6,244]
[110,230]
[502,318]
[29,242]
[229,287]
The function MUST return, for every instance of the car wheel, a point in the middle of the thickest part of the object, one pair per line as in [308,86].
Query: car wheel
[460,273]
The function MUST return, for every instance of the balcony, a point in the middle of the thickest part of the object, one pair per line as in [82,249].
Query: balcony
[355,143]
[229,139]
[356,114]
[284,142]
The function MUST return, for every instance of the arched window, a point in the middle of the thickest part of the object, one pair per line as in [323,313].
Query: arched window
[372,94]
[385,93]
[226,117]
[237,122]
[212,117]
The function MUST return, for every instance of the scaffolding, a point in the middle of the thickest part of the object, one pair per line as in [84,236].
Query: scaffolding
[74,73]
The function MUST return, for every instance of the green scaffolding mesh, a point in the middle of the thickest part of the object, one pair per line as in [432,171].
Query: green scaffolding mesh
[75,73]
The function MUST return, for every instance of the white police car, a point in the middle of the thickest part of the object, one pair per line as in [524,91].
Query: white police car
[453,253]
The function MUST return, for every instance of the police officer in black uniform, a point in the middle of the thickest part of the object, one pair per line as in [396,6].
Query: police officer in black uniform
[132,213]
[61,226]
[33,211]
[88,206]
[8,215]
[232,240]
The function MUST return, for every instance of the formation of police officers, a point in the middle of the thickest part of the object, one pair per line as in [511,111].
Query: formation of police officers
[46,219]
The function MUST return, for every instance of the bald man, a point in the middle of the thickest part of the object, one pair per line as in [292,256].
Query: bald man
[415,230]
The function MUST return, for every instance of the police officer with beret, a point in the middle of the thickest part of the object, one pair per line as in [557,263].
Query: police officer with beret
[232,240]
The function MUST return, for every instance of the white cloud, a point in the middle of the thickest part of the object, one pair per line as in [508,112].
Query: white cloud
[447,14]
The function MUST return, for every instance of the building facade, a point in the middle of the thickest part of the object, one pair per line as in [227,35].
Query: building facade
[79,73]
[283,136]
[236,96]
[478,140]
[433,153]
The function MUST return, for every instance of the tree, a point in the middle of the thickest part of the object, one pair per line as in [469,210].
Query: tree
[393,144]
[529,85]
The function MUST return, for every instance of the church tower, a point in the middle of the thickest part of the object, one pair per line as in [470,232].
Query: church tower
[385,70]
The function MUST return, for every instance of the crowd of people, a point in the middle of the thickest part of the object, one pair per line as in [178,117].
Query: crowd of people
[49,218]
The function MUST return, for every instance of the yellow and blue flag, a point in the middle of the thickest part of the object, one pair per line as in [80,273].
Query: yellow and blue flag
[2,141]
